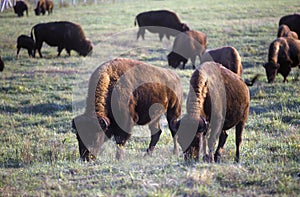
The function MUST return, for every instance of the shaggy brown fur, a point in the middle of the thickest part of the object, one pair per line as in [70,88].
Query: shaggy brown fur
[222,98]
[284,31]
[163,22]
[25,42]
[123,93]
[292,21]
[187,45]
[1,65]
[228,56]
[284,53]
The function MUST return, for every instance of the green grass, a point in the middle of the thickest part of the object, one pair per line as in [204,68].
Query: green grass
[39,97]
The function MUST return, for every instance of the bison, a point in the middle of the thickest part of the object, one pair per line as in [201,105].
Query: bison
[228,56]
[123,93]
[64,35]
[284,31]
[220,97]
[284,53]
[187,45]
[25,42]
[163,22]
[1,65]
[20,7]
[292,21]
[43,6]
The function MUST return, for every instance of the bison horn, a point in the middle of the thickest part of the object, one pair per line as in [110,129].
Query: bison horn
[204,126]
[103,124]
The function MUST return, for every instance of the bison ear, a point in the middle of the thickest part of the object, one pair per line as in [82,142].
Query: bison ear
[104,123]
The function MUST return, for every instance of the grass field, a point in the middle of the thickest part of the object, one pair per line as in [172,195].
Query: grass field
[39,97]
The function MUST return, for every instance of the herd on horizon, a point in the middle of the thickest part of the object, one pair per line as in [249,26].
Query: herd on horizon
[195,131]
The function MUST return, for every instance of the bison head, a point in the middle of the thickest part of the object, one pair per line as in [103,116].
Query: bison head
[175,59]
[190,133]
[271,70]
[86,48]
[90,132]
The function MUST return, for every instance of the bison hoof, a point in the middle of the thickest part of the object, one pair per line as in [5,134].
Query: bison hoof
[207,159]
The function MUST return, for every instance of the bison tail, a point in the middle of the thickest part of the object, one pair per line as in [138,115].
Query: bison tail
[251,82]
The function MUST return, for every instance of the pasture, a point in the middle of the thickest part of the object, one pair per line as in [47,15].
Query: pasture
[39,97]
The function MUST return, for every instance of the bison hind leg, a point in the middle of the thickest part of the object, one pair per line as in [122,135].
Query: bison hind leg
[155,135]
[222,141]
[141,32]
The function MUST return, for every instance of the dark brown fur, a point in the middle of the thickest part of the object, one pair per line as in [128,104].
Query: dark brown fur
[187,45]
[284,53]
[43,6]
[222,98]
[164,22]
[64,35]
[284,31]
[25,42]
[133,106]
[1,65]
[20,8]
[292,21]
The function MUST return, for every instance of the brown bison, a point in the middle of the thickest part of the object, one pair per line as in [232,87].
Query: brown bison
[20,7]
[43,6]
[123,93]
[284,31]
[64,35]
[1,65]
[284,53]
[220,97]
[163,22]
[25,42]
[228,56]
[189,44]
[292,21]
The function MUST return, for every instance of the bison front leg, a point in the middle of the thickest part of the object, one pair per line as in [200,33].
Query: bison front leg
[222,141]
[59,50]
[155,135]
[121,140]
[238,140]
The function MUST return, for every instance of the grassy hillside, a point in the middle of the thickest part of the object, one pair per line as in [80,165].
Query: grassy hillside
[39,98]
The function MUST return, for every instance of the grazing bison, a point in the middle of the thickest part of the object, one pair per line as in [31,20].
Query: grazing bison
[43,6]
[123,93]
[292,21]
[64,35]
[228,56]
[220,97]
[284,53]
[1,65]
[163,22]
[25,42]
[187,45]
[20,7]
[284,31]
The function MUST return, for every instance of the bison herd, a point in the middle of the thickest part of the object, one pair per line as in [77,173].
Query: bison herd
[125,92]
[42,6]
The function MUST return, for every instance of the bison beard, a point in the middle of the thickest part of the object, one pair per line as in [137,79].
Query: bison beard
[64,35]
[123,93]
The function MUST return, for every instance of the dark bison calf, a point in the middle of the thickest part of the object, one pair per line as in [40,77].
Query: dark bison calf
[25,42]
[64,35]
[220,97]
[284,53]
[187,45]
[123,93]
[20,7]
[292,21]
[163,22]
[1,65]
[43,6]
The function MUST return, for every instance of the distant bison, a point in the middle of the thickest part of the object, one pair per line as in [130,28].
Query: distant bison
[25,42]
[292,21]
[228,56]
[187,45]
[123,93]
[1,65]
[163,22]
[64,35]
[20,7]
[220,97]
[43,6]
[284,31]
[284,53]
